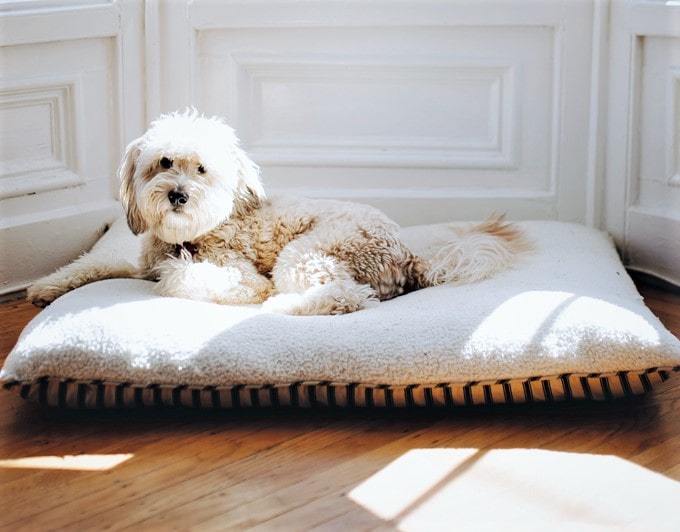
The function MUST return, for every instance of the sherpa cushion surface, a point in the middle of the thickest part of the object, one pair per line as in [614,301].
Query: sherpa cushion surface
[566,322]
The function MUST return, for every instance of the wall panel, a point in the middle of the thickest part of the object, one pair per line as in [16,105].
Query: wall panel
[61,131]
[433,111]
[643,156]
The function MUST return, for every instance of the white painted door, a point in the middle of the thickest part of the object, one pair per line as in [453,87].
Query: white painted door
[643,156]
[63,116]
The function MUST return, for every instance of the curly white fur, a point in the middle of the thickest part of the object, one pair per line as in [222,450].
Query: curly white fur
[211,234]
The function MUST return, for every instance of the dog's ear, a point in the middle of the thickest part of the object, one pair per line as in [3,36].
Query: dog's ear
[128,194]
[250,187]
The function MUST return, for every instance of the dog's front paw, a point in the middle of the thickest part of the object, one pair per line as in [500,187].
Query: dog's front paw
[205,281]
[182,278]
[43,292]
[284,304]
[330,299]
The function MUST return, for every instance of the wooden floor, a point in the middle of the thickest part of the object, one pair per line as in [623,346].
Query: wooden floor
[614,464]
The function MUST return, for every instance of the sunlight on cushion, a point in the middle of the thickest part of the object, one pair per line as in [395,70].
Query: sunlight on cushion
[429,488]
[515,324]
[555,322]
[80,462]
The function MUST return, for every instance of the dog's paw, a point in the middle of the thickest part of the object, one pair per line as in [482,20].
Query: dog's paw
[322,300]
[42,294]
[284,304]
[204,281]
[201,281]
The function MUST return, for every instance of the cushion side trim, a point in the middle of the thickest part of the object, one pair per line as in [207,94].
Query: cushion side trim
[69,393]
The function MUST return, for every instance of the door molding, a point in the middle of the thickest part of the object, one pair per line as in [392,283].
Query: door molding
[642,201]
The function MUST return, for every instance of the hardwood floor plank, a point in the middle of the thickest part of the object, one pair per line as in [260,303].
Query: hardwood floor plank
[286,488]
[157,451]
[13,318]
[152,476]
[273,468]
[662,456]
[306,495]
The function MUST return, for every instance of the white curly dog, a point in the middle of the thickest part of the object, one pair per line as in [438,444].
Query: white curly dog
[211,234]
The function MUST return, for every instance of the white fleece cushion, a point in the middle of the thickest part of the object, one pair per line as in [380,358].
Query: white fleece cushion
[567,316]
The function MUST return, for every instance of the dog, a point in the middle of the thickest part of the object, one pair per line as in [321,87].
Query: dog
[211,234]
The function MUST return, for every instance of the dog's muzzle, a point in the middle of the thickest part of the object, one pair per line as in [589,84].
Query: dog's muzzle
[177,198]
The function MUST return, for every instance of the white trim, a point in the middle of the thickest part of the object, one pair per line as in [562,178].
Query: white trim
[673,127]
[498,151]
[177,77]
[618,127]
[152,56]
[246,14]
[61,97]
[130,75]
[597,116]
[436,193]
[59,23]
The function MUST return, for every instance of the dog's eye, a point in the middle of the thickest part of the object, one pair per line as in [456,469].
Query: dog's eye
[166,163]
[201,169]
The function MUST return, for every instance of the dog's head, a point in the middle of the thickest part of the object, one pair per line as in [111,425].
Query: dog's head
[185,176]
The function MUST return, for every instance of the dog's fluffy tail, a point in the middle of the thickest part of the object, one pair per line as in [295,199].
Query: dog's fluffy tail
[475,253]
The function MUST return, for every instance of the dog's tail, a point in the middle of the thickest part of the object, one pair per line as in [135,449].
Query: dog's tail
[474,253]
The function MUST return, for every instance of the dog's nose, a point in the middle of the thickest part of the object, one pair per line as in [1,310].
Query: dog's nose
[177,197]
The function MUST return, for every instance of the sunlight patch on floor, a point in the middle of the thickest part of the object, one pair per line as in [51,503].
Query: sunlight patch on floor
[411,476]
[435,488]
[80,462]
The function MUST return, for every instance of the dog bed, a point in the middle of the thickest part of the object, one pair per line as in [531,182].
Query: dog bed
[564,323]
